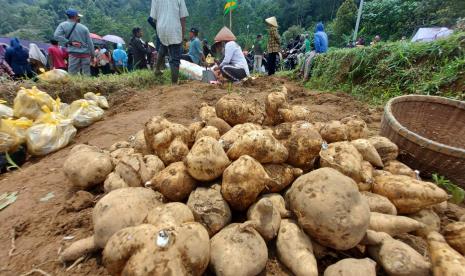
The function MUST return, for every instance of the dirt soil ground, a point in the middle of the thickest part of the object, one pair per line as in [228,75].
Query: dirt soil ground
[42,228]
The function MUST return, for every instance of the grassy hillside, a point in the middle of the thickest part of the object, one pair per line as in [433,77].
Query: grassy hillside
[387,70]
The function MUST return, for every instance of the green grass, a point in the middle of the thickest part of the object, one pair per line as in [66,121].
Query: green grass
[376,74]
[77,86]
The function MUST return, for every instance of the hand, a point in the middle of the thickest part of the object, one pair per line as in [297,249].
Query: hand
[76,44]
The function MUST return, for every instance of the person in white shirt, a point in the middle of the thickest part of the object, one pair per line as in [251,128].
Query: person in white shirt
[234,66]
[170,17]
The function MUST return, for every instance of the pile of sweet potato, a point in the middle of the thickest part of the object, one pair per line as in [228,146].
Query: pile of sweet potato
[217,194]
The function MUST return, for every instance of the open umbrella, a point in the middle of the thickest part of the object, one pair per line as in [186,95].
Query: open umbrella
[114,39]
[95,36]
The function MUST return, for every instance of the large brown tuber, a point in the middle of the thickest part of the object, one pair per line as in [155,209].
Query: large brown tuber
[174,182]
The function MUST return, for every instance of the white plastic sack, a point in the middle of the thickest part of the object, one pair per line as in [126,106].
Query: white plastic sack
[83,113]
[13,133]
[191,70]
[5,111]
[50,133]
[100,100]
[55,75]
[29,102]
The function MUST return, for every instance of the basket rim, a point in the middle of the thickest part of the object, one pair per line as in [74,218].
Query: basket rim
[416,138]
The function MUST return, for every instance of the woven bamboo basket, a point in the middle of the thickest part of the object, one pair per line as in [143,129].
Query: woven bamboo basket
[430,133]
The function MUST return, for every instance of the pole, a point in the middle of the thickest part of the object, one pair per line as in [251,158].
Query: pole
[230,18]
[359,16]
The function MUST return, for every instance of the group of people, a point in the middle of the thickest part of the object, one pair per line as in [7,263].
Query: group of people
[78,55]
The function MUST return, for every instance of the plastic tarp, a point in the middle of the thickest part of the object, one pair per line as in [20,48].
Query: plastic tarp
[191,70]
[431,34]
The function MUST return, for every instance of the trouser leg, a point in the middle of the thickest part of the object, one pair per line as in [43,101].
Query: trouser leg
[161,59]
[85,66]
[74,66]
[175,52]
[272,64]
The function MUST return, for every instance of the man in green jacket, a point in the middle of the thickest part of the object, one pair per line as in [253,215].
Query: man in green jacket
[76,38]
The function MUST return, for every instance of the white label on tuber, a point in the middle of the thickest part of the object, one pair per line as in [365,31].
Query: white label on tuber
[148,184]
[163,238]
[325,145]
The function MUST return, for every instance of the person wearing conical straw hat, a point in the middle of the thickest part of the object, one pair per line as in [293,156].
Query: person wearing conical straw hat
[274,44]
[234,66]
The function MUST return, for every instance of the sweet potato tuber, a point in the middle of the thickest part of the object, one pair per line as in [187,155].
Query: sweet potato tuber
[430,219]
[261,145]
[398,168]
[118,154]
[356,128]
[220,124]
[304,145]
[396,257]
[368,152]
[235,110]
[279,203]
[345,158]
[146,250]
[275,101]
[169,141]
[393,225]
[174,182]
[265,217]
[334,131]
[243,181]
[352,267]
[295,113]
[329,208]
[379,203]
[407,194]
[386,149]
[455,235]
[78,249]
[210,208]
[139,144]
[207,160]
[295,249]
[207,112]
[209,131]
[446,261]
[366,175]
[238,249]
[121,208]
[282,175]
[169,215]
[237,131]
[87,166]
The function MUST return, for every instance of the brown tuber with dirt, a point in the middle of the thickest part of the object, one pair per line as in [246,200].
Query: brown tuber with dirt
[238,249]
[87,166]
[174,182]
[446,261]
[455,235]
[352,267]
[330,208]
[265,217]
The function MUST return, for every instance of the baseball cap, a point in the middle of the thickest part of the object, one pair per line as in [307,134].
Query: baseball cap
[72,12]
[194,30]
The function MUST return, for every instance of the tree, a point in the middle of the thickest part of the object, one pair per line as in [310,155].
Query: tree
[345,21]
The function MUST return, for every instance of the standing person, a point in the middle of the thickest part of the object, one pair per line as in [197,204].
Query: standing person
[5,69]
[170,16]
[57,56]
[120,58]
[234,66]
[16,56]
[376,40]
[321,39]
[195,54]
[94,64]
[36,58]
[308,44]
[104,61]
[274,42]
[77,39]
[258,54]
[139,49]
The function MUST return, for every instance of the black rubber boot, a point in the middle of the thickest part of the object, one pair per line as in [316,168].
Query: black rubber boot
[174,75]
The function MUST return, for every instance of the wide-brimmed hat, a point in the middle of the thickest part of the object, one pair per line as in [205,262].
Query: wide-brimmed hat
[272,21]
[225,34]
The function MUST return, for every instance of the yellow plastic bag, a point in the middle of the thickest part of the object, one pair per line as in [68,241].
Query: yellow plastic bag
[5,111]
[50,133]
[61,108]
[55,75]
[84,113]
[28,103]
[100,100]
[14,133]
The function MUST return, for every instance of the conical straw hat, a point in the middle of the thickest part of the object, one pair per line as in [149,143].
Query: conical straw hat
[225,35]
[272,21]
